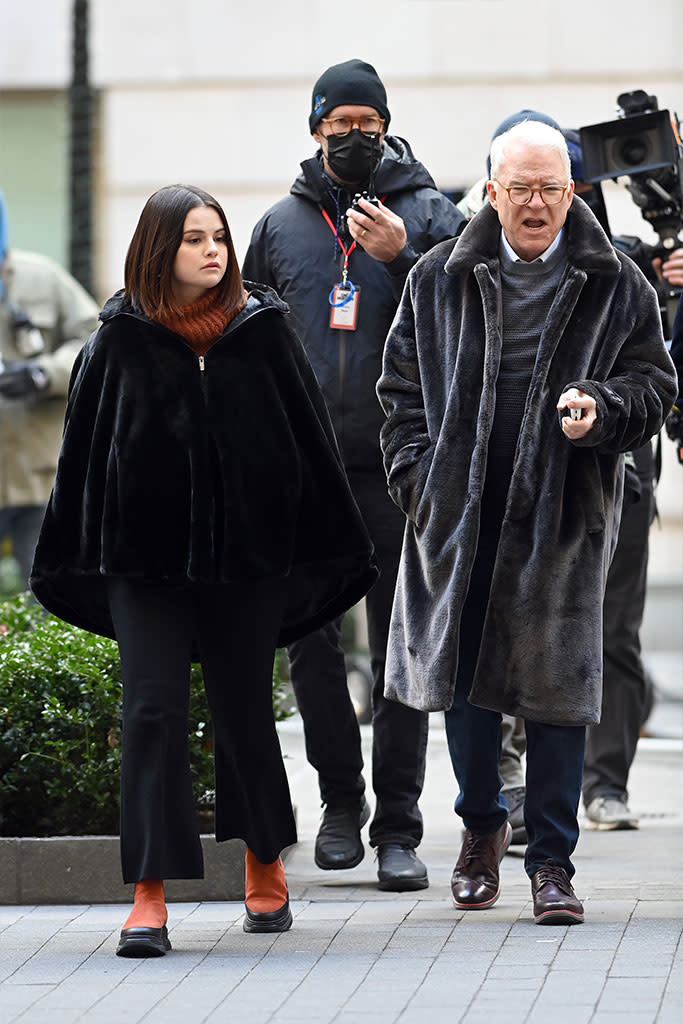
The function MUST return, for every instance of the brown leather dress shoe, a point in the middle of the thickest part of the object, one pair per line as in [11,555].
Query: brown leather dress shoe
[474,883]
[555,901]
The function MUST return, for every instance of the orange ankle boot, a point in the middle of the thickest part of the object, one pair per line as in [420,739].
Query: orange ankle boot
[144,933]
[266,898]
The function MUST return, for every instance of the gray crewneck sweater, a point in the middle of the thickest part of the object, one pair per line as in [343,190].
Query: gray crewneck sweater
[528,290]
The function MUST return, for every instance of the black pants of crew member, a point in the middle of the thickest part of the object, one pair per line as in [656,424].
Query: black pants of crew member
[235,628]
[611,745]
[399,733]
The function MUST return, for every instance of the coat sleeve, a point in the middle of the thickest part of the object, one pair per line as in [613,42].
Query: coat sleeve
[677,351]
[404,437]
[441,219]
[257,262]
[77,315]
[636,396]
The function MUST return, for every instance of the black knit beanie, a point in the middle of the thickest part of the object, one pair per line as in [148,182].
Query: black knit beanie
[354,82]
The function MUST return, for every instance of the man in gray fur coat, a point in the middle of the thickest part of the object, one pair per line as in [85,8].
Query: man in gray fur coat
[522,362]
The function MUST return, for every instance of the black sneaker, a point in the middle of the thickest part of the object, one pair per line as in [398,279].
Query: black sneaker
[338,844]
[611,812]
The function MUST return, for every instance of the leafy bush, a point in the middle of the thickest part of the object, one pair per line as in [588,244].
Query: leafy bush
[60,727]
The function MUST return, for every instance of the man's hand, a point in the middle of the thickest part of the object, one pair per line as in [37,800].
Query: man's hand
[577,399]
[18,380]
[670,269]
[381,232]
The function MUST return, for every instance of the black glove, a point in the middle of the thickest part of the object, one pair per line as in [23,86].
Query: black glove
[674,428]
[19,380]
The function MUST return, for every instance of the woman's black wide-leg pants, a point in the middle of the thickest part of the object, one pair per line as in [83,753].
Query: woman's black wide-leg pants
[234,629]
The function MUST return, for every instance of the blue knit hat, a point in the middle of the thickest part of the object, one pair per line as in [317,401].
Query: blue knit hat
[513,119]
[573,140]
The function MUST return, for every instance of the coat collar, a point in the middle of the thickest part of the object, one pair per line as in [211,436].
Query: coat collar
[588,247]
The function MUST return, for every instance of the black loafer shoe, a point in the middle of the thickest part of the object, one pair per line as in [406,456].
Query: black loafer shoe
[273,921]
[400,869]
[555,901]
[338,844]
[143,942]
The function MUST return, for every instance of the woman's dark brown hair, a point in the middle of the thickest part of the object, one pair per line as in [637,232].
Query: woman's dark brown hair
[148,273]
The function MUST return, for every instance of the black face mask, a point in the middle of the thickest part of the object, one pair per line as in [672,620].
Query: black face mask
[353,157]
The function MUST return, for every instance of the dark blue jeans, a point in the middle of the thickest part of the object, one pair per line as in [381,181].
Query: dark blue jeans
[399,733]
[554,753]
[553,781]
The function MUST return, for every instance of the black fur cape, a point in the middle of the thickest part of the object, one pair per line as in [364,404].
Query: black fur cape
[173,472]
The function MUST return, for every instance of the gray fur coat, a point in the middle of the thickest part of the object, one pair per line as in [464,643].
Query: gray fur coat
[541,651]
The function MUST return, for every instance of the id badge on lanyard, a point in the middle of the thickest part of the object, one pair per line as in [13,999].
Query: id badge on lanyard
[344,296]
[344,302]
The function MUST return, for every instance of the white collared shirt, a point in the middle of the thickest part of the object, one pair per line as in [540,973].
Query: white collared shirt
[543,256]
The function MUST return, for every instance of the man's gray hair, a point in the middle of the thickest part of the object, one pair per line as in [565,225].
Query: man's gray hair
[533,133]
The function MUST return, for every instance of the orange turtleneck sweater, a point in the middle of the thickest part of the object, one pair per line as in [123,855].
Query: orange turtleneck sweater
[201,322]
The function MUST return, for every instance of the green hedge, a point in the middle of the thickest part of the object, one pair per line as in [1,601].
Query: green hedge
[60,727]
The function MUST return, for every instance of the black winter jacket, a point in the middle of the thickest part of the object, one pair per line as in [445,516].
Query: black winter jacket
[293,249]
[211,470]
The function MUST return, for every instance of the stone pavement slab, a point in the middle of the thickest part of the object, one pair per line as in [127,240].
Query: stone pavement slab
[356,955]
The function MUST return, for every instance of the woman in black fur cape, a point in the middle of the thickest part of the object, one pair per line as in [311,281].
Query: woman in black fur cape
[200,512]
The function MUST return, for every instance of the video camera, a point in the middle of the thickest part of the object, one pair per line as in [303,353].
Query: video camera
[644,145]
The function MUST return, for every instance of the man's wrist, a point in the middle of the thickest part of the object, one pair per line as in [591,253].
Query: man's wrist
[404,261]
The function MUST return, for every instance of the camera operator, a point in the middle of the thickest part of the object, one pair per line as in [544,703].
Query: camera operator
[674,423]
[45,316]
[611,745]
[643,146]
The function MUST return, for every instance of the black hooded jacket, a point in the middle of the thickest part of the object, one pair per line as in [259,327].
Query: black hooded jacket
[218,469]
[293,249]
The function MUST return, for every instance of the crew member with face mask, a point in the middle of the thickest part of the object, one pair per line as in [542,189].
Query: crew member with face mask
[342,271]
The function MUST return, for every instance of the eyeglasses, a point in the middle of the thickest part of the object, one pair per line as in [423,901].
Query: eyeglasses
[520,195]
[343,125]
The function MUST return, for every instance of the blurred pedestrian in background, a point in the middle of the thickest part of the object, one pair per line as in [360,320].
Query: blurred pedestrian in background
[45,317]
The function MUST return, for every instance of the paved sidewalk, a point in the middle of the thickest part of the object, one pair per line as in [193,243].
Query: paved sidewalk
[359,956]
